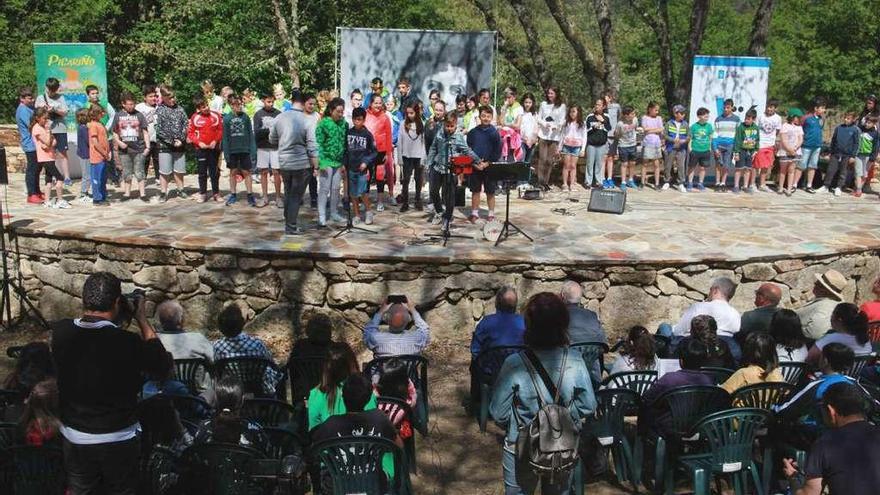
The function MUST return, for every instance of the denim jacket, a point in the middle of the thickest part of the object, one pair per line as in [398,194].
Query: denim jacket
[438,158]
[514,381]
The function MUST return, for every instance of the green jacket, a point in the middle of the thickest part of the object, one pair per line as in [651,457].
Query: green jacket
[238,136]
[330,136]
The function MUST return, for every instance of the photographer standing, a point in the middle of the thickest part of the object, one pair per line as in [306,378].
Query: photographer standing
[100,367]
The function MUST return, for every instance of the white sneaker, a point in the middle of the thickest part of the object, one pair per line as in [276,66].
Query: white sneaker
[429,208]
[83,200]
[665,186]
[62,204]
[262,202]
[279,203]
[322,222]
[681,188]
[437,220]
[821,190]
[337,218]
[837,191]
[369,218]
[764,189]
[356,221]
[392,201]
[380,206]
[49,203]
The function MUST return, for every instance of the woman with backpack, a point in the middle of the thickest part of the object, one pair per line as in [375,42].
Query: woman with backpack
[545,378]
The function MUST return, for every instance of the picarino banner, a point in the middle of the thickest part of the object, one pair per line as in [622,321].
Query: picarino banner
[76,65]
[451,62]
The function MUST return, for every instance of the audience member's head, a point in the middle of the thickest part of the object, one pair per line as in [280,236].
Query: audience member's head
[546,319]
[768,295]
[101,293]
[170,315]
[394,380]
[847,318]
[844,403]
[339,365]
[230,321]
[836,358]
[693,355]
[876,287]
[641,348]
[159,417]
[786,329]
[722,288]
[759,349]
[34,365]
[229,399]
[41,409]
[506,299]
[705,329]
[571,292]
[398,317]
[319,329]
[162,371]
[356,392]
[830,285]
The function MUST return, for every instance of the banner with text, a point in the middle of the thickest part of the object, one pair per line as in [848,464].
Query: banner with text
[449,61]
[76,65]
[742,79]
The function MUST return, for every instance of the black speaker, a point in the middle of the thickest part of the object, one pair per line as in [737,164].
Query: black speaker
[4,175]
[607,201]
[460,196]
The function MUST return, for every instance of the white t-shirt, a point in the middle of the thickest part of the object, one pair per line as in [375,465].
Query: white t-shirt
[768,126]
[549,130]
[529,127]
[798,355]
[790,134]
[847,340]
[149,113]
[727,318]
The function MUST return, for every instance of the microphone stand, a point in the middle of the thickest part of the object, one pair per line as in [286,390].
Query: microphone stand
[448,199]
[349,226]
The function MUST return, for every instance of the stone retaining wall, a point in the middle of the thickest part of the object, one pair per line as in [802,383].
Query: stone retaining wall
[278,290]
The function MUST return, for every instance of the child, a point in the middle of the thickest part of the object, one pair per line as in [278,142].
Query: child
[612,109]
[652,127]
[171,134]
[205,133]
[844,148]
[360,153]
[267,153]
[55,103]
[571,144]
[676,138]
[812,147]
[411,144]
[791,137]
[770,123]
[448,141]
[39,421]
[82,152]
[702,134]
[869,143]
[598,126]
[132,139]
[625,135]
[45,143]
[725,134]
[379,125]
[239,150]
[485,141]
[330,136]
[745,144]
[394,382]
[99,153]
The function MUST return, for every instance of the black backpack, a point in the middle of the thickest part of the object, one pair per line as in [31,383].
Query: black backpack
[549,443]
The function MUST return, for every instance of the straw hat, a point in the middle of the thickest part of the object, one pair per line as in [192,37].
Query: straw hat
[833,281]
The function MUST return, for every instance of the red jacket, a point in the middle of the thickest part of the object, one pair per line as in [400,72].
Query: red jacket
[379,126]
[205,129]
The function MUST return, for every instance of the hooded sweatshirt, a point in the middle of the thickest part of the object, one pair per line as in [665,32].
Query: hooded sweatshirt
[238,135]
[597,132]
[171,125]
[331,136]
[485,141]
[845,140]
[360,148]
[205,129]
[263,122]
[379,126]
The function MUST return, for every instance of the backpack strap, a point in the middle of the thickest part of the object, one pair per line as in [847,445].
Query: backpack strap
[533,364]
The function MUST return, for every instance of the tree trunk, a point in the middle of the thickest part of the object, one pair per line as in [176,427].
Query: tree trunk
[699,15]
[658,21]
[761,28]
[522,64]
[290,44]
[609,53]
[594,72]
[539,62]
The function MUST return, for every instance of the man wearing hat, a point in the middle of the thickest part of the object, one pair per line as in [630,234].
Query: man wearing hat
[816,314]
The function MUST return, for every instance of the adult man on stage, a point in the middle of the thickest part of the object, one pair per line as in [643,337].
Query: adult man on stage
[297,158]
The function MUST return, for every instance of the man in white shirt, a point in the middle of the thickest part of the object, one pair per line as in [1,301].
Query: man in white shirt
[717,305]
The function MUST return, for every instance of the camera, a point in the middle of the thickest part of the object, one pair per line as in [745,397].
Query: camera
[397,299]
[128,305]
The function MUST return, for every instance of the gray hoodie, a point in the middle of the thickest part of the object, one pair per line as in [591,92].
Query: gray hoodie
[295,137]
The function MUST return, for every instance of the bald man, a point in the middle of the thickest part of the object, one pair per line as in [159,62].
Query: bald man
[397,340]
[767,298]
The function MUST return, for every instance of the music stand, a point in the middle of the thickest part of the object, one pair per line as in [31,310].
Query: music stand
[509,174]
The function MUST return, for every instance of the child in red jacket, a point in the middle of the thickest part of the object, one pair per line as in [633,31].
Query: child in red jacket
[205,133]
[379,126]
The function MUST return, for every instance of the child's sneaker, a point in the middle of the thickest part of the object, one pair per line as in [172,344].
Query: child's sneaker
[821,190]
[182,194]
[369,217]
[437,219]
[337,218]
[263,202]
[392,200]
[68,183]
[380,206]
[49,203]
[682,189]
[279,203]
[665,186]
[231,200]
[631,183]
[688,187]
[735,190]
[701,187]
[84,199]
[252,201]
[623,186]
[62,204]
[356,221]
[810,190]
[837,191]
[857,194]
[751,190]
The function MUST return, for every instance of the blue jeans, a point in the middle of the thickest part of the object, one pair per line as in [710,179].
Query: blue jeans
[32,173]
[99,181]
[595,164]
[525,482]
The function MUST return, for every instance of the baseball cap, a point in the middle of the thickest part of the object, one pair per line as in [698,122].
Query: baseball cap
[678,108]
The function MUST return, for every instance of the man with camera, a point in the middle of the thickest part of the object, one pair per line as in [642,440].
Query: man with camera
[100,373]
[398,313]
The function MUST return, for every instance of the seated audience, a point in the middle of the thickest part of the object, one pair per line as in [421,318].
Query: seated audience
[359,419]
[33,365]
[394,382]
[397,340]
[787,332]
[325,400]
[717,305]
[846,458]
[515,397]
[655,417]
[319,334]
[161,381]
[638,352]
[503,328]
[816,314]
[850,328]
[39,423]
[227,425]
[759,361]
[584,325]
[100,374]
[767,299]
[236,343]
[180,343]
[161,424]
[872,308]
[719,354]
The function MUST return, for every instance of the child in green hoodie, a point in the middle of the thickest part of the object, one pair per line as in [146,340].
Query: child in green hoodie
[330,135]
[745,144]
[239,149]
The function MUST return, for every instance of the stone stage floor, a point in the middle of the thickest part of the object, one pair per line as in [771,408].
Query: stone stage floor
[657,227]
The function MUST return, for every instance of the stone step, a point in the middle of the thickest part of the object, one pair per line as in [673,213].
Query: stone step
[8,135]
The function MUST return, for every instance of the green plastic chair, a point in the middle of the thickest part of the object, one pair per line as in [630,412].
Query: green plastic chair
[686,406]
[417,371]
[38,470]
[859,363]
[220,469]
[637,381]
[269,413]
[487,365]
[159,472]
[354,465]
[793,371]
[192,373]
[393,407]
[594,357]
[729,436]
[283,442]
[720,374]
